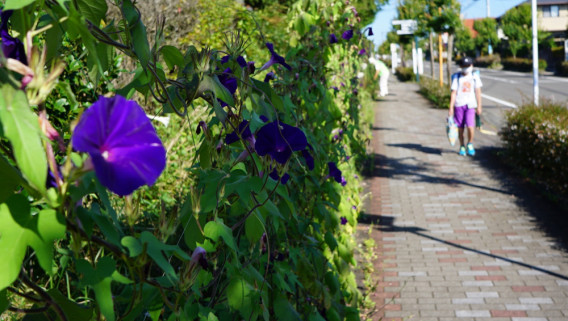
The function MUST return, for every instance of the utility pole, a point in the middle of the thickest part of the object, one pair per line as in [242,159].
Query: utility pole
[535,53]
[440,51]
[489,47]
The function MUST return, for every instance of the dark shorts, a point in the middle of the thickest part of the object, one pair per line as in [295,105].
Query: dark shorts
[464,117]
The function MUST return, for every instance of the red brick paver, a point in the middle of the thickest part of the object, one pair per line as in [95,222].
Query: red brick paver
[455,236]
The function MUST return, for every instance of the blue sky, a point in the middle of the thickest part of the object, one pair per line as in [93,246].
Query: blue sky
[470,9]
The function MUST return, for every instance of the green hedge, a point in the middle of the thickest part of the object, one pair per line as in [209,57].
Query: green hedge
[430,88]
[405,74]
[492,61]
[522,64]
[536,142]
[562,69]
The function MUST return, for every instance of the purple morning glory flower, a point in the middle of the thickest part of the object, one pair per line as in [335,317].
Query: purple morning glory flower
[279,140]
[371,32]
[225,59]
[269,76]
[284,179]
[347,34]
[230,82]
[11,47]
[308,158]
[263,118]
[332,38]
[343,220]
[250,66]
[241,61]
[334,172]
[274,59]
[126,151]
[244,131]
[362,51]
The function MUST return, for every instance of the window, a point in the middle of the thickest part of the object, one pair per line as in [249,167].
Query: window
[550,11]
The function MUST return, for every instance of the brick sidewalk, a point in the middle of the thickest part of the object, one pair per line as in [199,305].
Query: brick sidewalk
[457,238]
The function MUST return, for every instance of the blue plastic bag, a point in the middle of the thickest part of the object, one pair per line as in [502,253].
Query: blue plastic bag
[452,131]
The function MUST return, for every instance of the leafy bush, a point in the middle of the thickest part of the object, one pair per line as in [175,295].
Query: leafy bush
[563,69]
[522,64]
[108,218]
[536,141]
[430,88]
[405,74]
[493,61]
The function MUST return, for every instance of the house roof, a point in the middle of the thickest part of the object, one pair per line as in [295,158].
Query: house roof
[468,23]
[548,2]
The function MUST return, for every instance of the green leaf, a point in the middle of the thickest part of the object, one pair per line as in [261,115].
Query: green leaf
[20,229]
[93,10]
[16,4]
[137,32]
[77,24]
[70,308]
[99,280]
[21,127]
[238,294]
[254,227]
[156,250]
[133,245]
[10,179]
[3,301]
[283,310]
[216,229]
[212,84]
[172,56]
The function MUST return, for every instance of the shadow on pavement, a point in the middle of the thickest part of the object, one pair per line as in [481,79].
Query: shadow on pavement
[421,148]
[547,216]
[383,166]
[387,224]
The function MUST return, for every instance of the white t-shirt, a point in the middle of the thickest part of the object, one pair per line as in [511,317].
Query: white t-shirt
[465,86]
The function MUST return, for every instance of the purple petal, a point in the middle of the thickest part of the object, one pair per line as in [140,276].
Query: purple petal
[334,171]
[279,141]
[347,34]
[343,220]
[225,59]
[332,38]
[126,151]
[308,158]
[251,67]
[241,61]
[371,32]
[284,179]
[227,79]
[362,51]
[263,118]
[244,131]
[269,76]
[294,136]
[274,59]
[11,47]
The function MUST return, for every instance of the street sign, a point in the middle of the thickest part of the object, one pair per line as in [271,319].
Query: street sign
[407,27]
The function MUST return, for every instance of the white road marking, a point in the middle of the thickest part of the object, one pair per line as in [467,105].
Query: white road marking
[499,79]
[499,101]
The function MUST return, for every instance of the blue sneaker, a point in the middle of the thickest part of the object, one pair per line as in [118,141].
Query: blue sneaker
[462,151]
[470,149]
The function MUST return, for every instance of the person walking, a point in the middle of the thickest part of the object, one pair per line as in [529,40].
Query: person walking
[465,102]
[381,71]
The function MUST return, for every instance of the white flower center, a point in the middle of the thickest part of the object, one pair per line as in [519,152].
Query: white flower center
[105,154]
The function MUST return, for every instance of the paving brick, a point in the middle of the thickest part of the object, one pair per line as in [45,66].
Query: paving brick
[465,263]
[472,313]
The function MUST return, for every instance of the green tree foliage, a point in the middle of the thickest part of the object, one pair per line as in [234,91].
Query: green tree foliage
[464,42]
[486,33]
[516,24]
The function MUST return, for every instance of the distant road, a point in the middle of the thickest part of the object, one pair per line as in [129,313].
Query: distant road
[504,90]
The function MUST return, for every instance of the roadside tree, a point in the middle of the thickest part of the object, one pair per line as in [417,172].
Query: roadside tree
[487,34]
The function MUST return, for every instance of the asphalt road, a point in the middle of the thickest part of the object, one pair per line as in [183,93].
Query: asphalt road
[504,90]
